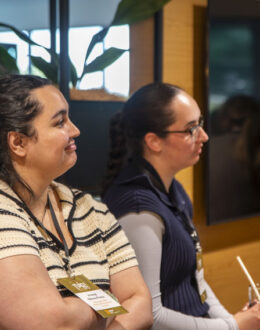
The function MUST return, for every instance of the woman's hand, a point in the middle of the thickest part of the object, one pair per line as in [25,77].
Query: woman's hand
[249,318]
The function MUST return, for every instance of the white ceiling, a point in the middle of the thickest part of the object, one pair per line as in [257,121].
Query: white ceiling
[31,14]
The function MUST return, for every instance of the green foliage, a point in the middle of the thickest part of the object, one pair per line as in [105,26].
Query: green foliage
[50,70]
[7,62]
[98,37]
[101,62]
[21,35]
[132,11]
[128,12]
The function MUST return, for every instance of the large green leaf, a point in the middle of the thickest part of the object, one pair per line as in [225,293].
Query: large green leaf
[98,37]
[22,35]
[50,70]
[133,11]
[25,38]
[128,12]
[73,74]
[104,60]
[7,62]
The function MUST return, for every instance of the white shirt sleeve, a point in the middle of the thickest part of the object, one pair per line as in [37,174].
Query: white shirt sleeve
[145,232]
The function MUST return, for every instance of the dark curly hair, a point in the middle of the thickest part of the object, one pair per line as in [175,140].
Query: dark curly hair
[147,110]
[17,110]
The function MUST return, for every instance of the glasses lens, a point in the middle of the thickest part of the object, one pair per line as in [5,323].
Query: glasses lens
[195,129]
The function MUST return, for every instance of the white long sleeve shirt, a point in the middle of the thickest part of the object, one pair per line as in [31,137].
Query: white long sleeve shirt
[145,232]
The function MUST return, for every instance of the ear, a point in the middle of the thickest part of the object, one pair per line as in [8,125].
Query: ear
[153,142]
[17,143]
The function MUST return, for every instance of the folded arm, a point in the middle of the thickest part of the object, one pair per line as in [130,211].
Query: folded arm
[35,302]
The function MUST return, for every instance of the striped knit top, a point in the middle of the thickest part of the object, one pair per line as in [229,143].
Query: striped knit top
[100,247]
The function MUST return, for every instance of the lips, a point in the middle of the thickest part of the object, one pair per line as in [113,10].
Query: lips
[199,151]
[71,147]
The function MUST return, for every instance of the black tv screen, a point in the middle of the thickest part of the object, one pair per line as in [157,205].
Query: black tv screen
[233,118]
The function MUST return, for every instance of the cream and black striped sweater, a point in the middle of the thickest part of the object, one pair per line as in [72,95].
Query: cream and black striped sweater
[100,247]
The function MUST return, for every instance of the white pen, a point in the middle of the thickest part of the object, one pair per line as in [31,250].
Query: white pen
[249,278]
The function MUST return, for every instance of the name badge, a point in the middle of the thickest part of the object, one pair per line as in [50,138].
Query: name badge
[103,303]
[199,274]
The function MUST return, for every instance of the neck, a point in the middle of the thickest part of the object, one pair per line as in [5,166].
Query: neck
[161,168]
[35,202]
[37,183]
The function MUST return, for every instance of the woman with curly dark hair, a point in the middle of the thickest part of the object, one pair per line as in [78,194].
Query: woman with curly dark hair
[50,232]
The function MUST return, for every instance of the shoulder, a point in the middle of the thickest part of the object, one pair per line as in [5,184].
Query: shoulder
[129,197]
[89,211]
[16,227]
[11,207]
[80,199]
[87,204]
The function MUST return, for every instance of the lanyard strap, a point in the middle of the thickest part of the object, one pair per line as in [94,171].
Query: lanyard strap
[59,231]
[147,169]
[191,230]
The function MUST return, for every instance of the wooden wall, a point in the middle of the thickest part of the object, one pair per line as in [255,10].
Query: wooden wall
[184,64]
[141,54]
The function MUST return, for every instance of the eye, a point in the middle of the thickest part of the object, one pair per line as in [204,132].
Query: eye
[191,129]
[60,123]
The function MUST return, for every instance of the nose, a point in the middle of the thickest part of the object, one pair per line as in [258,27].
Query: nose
[202,135]
[74,131]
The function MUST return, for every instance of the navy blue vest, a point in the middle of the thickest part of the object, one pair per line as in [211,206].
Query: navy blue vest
[136,189]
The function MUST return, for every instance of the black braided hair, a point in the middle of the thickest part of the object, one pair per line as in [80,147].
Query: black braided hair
[147,110]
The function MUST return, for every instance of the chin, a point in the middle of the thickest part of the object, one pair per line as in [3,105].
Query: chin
[195,160]
[71,164]
[67,167]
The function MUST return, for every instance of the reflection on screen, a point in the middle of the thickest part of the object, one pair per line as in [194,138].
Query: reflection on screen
[233,185]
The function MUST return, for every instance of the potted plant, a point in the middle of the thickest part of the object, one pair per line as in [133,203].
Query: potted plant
[92,117]
[128,12]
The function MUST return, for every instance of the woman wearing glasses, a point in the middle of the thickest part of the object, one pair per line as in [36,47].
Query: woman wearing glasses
[158,133]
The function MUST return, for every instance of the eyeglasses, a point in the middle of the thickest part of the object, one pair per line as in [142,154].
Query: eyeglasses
[193,130]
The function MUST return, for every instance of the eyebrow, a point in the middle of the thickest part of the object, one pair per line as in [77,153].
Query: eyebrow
[193,121]
[61,112]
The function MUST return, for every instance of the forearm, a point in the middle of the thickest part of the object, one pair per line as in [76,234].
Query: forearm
[39,305]
[61,314]
[78,315]
[216,309]
[171,320]
[139,316]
